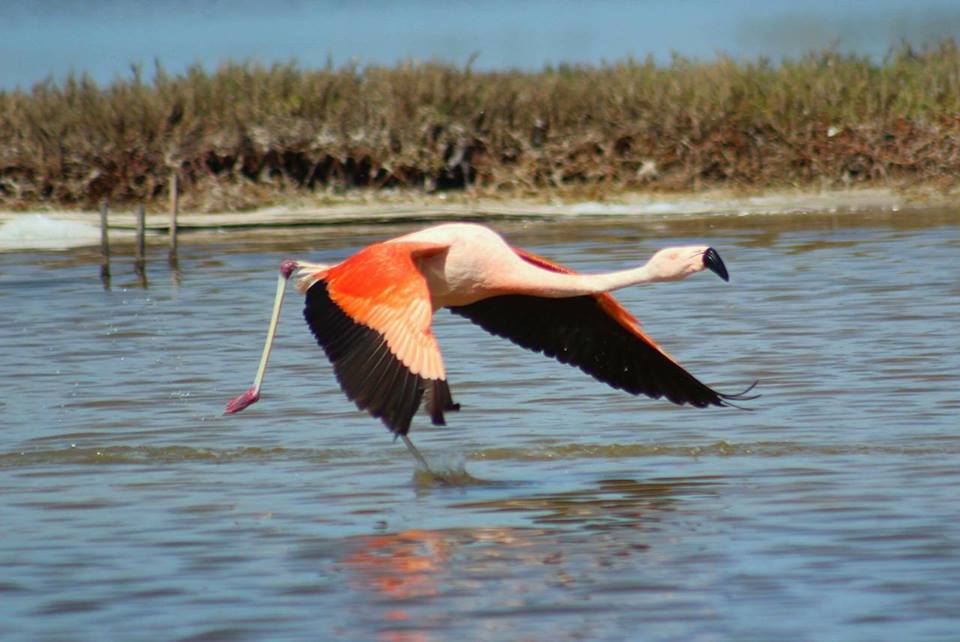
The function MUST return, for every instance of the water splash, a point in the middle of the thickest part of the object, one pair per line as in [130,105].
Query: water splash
[446,469]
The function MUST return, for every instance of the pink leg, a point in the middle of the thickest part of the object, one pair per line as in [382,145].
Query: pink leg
[252,394]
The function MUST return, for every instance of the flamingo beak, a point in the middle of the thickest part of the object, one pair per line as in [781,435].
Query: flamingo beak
[713,262]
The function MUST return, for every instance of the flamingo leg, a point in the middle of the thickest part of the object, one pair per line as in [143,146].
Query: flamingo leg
[416,454]
[252,394]
[271,332]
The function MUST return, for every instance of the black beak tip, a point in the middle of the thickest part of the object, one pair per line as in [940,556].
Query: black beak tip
[713,262]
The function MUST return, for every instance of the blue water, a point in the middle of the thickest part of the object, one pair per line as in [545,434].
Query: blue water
[41,38]
[132,510]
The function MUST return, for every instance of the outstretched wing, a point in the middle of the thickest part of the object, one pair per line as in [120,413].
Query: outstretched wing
[371,314]
[594,333]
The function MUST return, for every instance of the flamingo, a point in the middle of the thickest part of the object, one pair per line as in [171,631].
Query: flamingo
[372,316]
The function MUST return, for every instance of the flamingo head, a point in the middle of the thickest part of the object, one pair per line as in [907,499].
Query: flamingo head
[676,263]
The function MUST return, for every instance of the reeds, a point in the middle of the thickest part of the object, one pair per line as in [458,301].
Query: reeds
[248,135]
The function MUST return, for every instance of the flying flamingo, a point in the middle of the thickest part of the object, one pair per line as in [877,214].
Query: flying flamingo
[371,314]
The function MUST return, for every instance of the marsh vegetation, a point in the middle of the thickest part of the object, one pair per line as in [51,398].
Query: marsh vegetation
[246,135]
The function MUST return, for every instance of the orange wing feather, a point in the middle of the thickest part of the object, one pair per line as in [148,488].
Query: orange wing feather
[381,288]
[372,315]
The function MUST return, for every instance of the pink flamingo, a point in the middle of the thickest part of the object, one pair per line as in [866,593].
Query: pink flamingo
[371,314]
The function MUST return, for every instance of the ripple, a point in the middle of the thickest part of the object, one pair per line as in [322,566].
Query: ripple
[117,455]
[456,474]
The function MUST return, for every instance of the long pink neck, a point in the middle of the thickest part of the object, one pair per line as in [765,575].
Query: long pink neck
[539,282]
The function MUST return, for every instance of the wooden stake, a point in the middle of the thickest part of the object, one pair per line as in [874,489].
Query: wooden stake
[104,245]
[174,211]
[141,248]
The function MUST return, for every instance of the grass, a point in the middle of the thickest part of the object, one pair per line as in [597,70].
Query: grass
[246,135]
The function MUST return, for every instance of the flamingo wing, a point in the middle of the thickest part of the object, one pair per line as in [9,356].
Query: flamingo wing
[371,314]
[594,333]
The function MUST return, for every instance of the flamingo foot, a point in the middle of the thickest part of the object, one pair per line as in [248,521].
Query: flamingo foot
[251,396]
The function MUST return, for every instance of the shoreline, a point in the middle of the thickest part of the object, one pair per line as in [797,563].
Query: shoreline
[38,228]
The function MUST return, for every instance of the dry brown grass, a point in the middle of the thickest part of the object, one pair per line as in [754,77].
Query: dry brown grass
[247,135]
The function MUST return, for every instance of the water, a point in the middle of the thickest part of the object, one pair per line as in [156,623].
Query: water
[131,509]
[50,38]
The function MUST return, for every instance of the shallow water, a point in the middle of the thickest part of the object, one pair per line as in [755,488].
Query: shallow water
[131,509]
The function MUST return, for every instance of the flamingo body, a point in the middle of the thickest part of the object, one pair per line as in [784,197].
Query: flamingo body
[372,316]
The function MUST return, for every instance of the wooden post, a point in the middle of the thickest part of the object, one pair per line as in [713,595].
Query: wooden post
[104,245]
[174,211]
[141,247]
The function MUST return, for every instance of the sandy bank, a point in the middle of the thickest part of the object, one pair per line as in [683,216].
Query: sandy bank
[53,228]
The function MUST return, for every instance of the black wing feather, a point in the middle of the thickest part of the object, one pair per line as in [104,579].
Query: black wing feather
[577,331]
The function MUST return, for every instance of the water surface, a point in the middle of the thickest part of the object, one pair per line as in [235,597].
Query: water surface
[131,509]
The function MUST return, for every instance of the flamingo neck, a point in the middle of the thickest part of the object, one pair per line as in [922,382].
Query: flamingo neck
[559,285]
